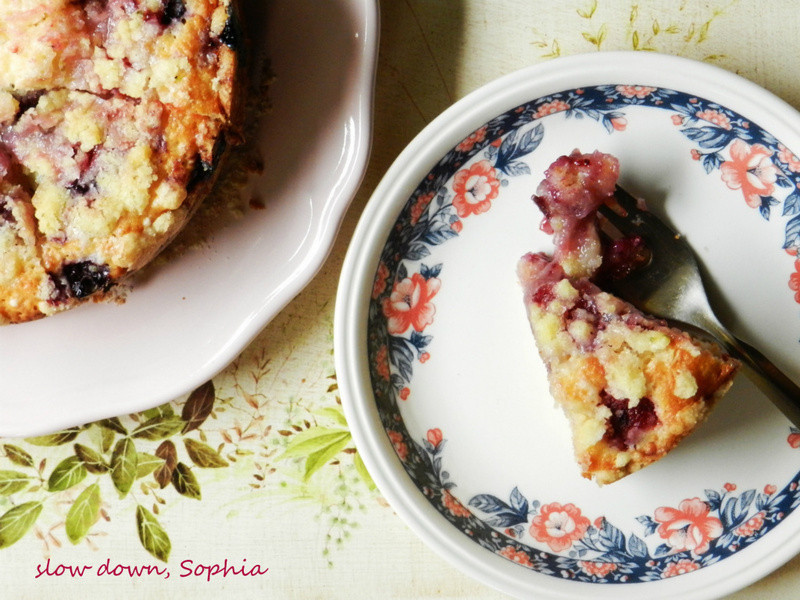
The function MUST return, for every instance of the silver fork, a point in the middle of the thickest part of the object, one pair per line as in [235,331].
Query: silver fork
[670,286]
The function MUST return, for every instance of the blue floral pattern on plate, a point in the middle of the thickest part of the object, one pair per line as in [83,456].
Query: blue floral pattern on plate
[558,539]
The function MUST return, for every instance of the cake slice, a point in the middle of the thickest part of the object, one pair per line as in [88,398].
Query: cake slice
[631,386]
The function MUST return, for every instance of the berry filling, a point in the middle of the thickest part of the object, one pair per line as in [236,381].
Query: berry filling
[627,425]
[623,256]
[573,189]
[585,307]
[544,295]
[80,188]
[230,35]
[80,280]
[173,11]
[5,212]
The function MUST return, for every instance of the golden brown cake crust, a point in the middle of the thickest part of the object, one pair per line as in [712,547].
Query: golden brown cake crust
[114,115]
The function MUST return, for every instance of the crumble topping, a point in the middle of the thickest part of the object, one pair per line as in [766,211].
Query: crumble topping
[113,117]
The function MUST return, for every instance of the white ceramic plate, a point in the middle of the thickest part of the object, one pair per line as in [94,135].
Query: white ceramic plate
[188,319]
[441,382]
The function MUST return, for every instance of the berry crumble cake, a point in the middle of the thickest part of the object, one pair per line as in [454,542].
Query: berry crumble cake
[631,386]
[114,115]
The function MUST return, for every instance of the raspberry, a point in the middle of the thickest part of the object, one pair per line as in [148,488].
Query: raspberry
[626,426]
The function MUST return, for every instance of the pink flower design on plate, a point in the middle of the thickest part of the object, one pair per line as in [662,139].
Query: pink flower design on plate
[435,437]
[409,304]
[794,437]
[476,137]
[794,285]
[752,525]
[399,445]
[382,362]
[787,156]
[475,187]
[688,527]
[379,286]
[619,123]
[680,567]
[715,117]
[452,504]
[420,205]
[551,108]
[635,91]
[599,569]
[517,556]
[559,525]
[750,170]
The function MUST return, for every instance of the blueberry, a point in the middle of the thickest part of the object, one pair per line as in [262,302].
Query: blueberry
[79,187]
[80,280]
[174,10]
[232,32]
[5,212]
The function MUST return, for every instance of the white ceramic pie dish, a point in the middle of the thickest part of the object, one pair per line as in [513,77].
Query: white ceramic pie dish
[448,401]
[186,320]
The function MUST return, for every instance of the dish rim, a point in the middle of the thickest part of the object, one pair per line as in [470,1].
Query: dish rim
[333,212]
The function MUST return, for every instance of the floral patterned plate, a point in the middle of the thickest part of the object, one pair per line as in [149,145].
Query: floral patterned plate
[187,318]
[442,384]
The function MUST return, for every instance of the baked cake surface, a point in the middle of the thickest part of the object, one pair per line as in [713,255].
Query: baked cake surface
[631,386]
[113,117]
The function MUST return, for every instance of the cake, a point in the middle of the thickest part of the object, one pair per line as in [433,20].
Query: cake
[631,386]
[114,116]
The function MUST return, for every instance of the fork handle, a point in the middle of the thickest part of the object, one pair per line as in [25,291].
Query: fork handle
[781,390]
[776,385]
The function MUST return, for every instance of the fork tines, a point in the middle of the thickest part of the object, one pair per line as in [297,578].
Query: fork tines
[621,209]
[626,200]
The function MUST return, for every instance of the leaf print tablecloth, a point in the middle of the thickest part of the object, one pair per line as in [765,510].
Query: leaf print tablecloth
[251,484]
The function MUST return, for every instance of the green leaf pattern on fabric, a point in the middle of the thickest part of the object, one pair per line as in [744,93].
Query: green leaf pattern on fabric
[83,513]
[152,535]
[16,522]
[164,454]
